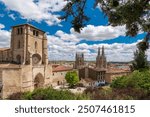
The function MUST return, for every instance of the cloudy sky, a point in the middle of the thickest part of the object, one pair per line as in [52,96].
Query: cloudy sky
[63,41]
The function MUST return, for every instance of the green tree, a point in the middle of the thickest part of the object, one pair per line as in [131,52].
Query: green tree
[140,59]
[72,78]
[134,14]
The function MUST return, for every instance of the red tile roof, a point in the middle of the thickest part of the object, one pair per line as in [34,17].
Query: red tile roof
[61,68]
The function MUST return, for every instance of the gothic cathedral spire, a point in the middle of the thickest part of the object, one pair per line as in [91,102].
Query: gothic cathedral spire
[103,54]
[99,51]
[101,59]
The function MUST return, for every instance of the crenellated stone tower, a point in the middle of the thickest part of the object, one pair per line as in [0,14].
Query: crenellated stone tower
[101,62]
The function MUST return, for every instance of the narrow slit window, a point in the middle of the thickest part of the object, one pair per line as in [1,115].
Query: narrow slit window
[36,45]
[21,30]
[37,33]
[33,32]
[18,31]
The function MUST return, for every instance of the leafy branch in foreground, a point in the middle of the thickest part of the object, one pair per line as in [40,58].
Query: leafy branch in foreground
[134,14]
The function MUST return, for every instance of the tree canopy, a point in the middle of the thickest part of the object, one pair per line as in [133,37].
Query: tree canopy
[72,78]
[140,61]
[134,14]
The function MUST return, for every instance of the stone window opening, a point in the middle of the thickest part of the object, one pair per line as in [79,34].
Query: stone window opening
[19,31]
[58,83]
[37,33]
[33,32]
[18,58]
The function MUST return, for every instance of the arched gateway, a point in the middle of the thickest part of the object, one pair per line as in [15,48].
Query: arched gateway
[38,81]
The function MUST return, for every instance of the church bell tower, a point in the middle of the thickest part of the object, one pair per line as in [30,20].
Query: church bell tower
[28,45]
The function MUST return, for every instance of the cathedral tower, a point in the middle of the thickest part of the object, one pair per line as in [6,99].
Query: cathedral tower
[101,62]
[79,62]
[28,45]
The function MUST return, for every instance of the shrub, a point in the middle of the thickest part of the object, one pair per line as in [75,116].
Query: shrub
[49,94]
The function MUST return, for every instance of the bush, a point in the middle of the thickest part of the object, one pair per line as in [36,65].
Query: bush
[49,94]
[137,79]
[135,85]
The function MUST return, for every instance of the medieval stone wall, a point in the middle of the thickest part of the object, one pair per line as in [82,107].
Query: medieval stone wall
[11,81]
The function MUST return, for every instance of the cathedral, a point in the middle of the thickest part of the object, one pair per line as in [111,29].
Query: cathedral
[24,66]
[98,74]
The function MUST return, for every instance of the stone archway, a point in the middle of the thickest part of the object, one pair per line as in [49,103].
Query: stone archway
[38,81]
[18,58]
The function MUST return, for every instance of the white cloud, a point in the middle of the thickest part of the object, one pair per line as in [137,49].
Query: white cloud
[4,37]
[39,10]
[63,46]
[61,50]
[91,32]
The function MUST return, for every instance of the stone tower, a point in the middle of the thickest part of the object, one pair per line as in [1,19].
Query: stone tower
[79,60]
[28,45]
[101,62]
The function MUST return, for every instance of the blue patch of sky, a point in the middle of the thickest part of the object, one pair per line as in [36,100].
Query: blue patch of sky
[120,39]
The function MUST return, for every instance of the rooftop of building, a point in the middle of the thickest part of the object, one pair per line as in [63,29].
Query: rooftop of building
[3,49]
[111,69]
[59,68]
[28,25]
[117,70]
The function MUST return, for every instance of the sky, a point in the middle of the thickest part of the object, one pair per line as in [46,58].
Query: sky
[63,41]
